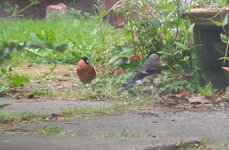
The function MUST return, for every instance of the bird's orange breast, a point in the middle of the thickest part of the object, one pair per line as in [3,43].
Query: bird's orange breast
[85,72]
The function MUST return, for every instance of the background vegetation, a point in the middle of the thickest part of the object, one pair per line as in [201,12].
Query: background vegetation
[159,26]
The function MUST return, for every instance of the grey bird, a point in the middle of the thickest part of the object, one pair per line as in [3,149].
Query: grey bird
[149,70]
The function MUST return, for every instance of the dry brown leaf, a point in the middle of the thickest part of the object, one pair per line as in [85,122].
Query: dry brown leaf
[56,117]
[200,100]
[183,94]
[135,57]
[226,69]
[178,144]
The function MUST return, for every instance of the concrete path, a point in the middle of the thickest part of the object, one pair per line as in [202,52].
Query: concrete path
[143,129]
[42,107]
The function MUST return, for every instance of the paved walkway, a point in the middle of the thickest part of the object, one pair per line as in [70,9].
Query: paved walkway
[140,129]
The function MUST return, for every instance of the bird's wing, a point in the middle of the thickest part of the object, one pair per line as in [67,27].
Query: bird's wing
[142,74]
[129,85]
[137,79]
[149,67]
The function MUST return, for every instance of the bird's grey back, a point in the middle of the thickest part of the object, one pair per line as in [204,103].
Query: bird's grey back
[152,63]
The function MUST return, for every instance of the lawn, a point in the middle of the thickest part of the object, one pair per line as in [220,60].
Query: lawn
[45,65]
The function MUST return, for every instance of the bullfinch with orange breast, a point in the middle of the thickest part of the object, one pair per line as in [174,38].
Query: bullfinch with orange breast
[85,71]
[149,70]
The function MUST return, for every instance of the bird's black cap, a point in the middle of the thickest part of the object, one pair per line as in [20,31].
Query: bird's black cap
[85,59]
[153,52]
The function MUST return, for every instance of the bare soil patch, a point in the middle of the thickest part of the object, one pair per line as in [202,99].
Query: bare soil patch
[60,81]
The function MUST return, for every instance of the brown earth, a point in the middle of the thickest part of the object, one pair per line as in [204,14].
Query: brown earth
[60,81]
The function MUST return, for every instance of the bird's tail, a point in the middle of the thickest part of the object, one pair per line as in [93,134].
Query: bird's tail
[130,85]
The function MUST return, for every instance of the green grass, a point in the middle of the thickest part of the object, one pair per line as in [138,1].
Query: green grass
[62,29]
[119,106]
[57,130]
[5,116]
[123,134]
[43,92]
[53,129]
[8,117]
[104,87]
[82,36]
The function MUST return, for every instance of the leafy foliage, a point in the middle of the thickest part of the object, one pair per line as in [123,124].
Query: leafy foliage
[175,83]
[10,80]
[208,90]
[17,80]
[150,28]
[119,58]
[224,37]
[164,31]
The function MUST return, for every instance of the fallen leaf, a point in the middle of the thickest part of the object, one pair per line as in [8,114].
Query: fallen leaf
[56,117]
[226,69]
[178,144]
[183,94]
[135,57]
[200,100]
